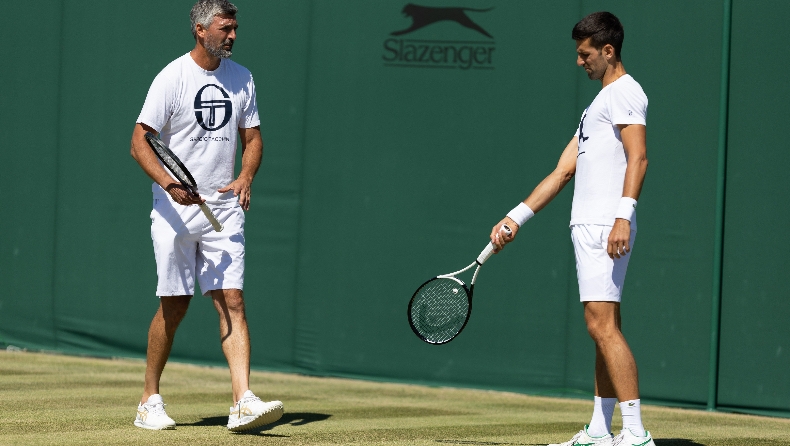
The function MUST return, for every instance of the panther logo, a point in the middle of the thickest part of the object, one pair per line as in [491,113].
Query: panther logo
[425,15]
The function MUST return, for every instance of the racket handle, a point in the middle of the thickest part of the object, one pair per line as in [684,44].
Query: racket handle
[489,250]
[211,218]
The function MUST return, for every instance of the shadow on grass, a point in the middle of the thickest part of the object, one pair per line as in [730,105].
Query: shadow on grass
[485,443]
[676,442]
[662,442]
[289,418]
[297,419]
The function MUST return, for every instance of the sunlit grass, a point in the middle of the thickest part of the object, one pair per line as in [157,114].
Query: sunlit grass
[64,400]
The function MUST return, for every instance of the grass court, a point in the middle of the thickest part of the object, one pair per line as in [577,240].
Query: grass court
[50,399]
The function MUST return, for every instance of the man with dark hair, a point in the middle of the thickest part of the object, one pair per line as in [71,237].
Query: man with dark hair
[199,104]
[608,156]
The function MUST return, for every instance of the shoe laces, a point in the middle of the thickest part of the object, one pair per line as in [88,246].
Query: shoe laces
[156,408]
[237,408]
[248,399]
[619,438]
[575,437]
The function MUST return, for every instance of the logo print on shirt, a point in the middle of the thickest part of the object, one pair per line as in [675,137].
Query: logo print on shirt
[582,138]
[212,105]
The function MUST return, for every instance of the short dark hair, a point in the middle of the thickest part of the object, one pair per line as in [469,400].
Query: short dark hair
[601,28]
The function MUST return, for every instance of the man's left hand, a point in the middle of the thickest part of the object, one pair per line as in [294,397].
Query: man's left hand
[242,189]
[619,239]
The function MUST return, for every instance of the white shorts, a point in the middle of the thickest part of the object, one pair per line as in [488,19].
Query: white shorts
[600,277]
[186,246]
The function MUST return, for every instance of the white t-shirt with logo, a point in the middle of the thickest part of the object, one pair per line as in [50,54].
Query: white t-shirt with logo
[198,114]
[601,162]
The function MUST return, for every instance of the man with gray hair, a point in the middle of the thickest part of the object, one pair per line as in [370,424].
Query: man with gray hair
[199,104]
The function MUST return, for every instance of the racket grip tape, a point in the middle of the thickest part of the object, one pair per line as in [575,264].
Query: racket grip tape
[489,250]
[211,218]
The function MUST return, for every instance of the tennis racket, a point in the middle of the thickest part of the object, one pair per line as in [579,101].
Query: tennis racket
[180,172]
[440,308]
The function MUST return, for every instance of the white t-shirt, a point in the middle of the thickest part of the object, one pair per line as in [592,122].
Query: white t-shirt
[601,162]
[198,114]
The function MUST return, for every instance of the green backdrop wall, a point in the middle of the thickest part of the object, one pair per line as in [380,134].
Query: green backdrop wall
[382,169]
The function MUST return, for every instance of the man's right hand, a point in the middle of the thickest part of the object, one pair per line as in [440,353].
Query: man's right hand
[498,238]
[181,195]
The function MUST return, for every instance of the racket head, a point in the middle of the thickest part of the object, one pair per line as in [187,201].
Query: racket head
[173,164]
[439,309]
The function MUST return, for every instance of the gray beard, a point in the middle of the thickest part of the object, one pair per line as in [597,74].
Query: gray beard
[216,50]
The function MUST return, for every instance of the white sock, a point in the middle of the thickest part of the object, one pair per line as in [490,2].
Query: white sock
[601,423]
[632,417]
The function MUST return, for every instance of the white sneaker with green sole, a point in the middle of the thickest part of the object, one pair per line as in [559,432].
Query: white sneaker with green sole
[627,438]
[584,439]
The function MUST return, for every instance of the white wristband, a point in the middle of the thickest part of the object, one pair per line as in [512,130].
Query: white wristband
[520,214]
[627,209]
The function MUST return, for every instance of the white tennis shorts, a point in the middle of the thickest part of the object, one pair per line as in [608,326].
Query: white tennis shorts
[600,277]
[186,246]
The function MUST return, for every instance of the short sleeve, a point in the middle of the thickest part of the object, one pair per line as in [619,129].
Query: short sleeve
[628,104]
[158,106]
[248,117]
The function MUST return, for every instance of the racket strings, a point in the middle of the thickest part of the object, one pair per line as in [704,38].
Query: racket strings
[439,310]
[167,157]
[176,170]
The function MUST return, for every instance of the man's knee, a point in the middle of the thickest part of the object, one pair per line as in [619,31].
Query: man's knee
[600,331]
[174,308]
[231,301]
[601,319]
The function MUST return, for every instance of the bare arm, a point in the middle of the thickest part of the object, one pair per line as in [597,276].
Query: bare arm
[146,158]
[634,142]
[251,155]
[544,192]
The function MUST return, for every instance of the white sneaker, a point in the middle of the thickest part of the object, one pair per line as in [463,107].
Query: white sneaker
[250,412]
[152,415]
[584,439]
[627,438]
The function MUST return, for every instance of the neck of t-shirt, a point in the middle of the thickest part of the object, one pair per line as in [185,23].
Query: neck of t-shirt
[191,57]
[612,82]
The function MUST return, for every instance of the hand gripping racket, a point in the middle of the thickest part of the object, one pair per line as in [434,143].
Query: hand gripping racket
[440,308]
[177,168]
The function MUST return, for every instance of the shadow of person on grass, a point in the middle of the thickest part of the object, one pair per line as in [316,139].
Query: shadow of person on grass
[297,419]
[675,442]
[661,442]
[291,418]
